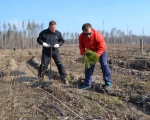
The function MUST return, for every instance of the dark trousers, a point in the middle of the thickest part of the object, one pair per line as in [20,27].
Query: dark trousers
[46,58]
[104,67]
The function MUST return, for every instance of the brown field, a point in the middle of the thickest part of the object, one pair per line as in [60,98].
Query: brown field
[25,97]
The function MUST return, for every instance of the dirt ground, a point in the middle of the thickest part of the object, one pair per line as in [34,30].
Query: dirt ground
[23,96]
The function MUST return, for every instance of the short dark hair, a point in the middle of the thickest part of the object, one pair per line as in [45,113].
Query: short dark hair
[52,23]
[86,26]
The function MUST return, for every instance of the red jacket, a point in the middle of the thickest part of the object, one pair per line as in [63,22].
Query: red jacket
[95,43]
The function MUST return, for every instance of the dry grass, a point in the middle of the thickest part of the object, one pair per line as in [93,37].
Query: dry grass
[18,100]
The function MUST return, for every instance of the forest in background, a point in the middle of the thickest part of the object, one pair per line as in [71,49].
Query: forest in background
[25,34]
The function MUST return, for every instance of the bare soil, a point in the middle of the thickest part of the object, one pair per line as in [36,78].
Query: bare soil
[23,96]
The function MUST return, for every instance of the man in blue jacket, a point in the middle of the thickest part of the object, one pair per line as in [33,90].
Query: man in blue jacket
[51,39]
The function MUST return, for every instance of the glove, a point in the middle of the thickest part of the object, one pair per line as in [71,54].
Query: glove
[56,45]
[46,45]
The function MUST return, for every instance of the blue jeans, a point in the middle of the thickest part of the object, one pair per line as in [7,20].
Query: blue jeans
[104,67]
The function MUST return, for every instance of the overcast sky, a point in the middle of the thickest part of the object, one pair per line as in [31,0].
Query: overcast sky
[70,15]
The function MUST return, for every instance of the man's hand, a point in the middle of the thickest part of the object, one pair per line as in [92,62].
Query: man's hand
[56,45]
[46,45]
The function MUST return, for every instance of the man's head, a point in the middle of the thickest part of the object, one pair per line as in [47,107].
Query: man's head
[87,30]
[52,26]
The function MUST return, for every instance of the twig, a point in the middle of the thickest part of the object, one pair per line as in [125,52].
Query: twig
[62,103]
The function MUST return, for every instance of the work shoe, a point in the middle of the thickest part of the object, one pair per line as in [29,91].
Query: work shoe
[107,85]
[40,75]
[85,87]
[65,81]
[41,72]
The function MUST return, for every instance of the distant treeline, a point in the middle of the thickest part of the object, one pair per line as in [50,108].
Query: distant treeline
[24,35]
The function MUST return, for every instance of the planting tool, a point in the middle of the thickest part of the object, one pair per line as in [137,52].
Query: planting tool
[50,73]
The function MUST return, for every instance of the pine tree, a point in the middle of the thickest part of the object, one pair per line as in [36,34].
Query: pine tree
[90,58]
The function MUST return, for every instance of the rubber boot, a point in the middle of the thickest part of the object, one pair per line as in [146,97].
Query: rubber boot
[41,71]
[65,81]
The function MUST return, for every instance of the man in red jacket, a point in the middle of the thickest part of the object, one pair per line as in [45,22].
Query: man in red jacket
[94,40]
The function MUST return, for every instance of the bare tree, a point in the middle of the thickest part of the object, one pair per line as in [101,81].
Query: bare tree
[26,37]
[106,37]
[23,35]
[67,37]
[4,35]
[36,34]
[15,35]
[76,38]
[130,36]
[122,37]
[9,36]
[41,27]
[1,39]
[113,35]
[29,43]
[33,33]
[64,35]
[72,42]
